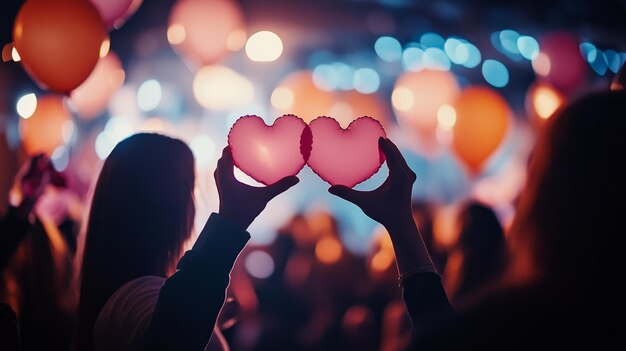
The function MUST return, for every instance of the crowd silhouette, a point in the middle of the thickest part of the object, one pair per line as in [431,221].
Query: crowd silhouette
[555,278]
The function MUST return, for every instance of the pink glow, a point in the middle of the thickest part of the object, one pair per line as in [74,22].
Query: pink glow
[345,156]
[268,153]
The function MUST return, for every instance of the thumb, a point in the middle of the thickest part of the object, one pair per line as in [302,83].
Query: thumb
[281,186]
[346,193]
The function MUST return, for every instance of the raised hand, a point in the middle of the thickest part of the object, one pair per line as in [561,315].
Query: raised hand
[390,203]
[241,203]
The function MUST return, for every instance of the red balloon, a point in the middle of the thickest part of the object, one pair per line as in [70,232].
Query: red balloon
[268,153]
[345,156]
[58,41]
[564,67]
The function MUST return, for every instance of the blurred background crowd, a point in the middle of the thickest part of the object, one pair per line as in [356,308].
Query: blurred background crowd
[463,88]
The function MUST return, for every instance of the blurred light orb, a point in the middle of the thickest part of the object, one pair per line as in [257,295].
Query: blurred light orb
[199,29]
[388,49]
[324,77]
[282,98]
[436,59]
[613,60]
[528,47]
[259,264]
[600,64]
[542,65]
[474,56]
[328,250]
[264,46]
[176,34]
[508,39]
[204,150]
[457,51]
[49,126]
[446,117]
[418,96]
[402,99]
[432,40]
[26,105]
[495,73]
[119,128]
[543,100]
[105,47]
[149,95]
[482,121]
[60,158]
[567,68]
[589,51]
[91,98]
[15,55]
[366,80]
[413,59]
[221,88]
[344,74]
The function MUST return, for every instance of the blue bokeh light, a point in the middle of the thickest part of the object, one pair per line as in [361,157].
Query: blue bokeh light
[495,73]
[388,49]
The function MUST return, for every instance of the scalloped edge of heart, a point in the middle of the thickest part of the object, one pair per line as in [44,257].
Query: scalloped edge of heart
[381,155]
[303,150]
[306,142]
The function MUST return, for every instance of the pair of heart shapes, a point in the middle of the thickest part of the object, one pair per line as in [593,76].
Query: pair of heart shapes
[339,156]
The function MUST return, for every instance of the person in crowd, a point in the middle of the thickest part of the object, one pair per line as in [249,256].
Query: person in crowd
[24,245]
[141,214]
[565,283]
[478,257]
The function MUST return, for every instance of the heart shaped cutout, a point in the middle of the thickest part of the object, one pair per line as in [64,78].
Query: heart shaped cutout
[345,156]
[269,153]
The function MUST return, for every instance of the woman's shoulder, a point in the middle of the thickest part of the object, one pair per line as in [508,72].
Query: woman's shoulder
[127,313]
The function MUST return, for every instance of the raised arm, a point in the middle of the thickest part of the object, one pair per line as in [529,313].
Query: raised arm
[190,300]
[390,205]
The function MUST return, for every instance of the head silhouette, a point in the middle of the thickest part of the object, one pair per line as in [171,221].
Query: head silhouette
[568,223]
[141,214]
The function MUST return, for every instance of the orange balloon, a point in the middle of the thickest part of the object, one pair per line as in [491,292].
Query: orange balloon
[59,41]
[91,98]
[44,130]
[482,120]
[297,94]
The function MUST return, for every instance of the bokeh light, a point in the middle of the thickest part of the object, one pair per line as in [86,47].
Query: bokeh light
[495,73]
[149,95]
[259,264]
[221,88]
[49,127]
[388,49]
[264,46]
[366,81]
[26,105]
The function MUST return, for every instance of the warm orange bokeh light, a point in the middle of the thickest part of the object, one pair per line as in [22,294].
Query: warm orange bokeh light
[482,121]
[200,30]
[418,96]
[328,250]
[542,101]
[48,127]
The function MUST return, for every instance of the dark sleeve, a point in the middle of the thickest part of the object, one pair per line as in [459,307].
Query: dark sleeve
[190,300]
[13,228]
[9,329]
[425,299]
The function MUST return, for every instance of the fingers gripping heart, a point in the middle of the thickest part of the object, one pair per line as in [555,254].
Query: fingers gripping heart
[339,156]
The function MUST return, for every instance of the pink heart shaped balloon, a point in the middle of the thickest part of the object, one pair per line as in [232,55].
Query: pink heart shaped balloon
[345,156]
[269,153]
